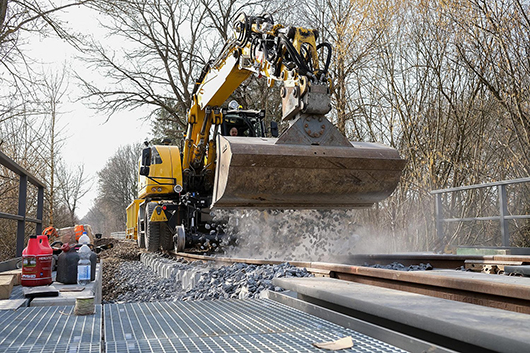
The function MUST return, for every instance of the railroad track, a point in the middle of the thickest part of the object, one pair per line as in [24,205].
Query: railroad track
[435,306]
[496,291]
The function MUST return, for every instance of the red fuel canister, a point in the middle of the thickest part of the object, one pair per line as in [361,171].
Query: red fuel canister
[36,264]
[45,244]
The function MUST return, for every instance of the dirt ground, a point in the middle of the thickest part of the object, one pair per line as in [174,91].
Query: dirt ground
[122,250]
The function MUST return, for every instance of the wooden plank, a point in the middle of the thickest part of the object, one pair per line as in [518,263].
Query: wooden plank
[17,273]
[6,286]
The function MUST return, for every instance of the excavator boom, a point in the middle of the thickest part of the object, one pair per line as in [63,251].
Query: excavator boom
[312,164]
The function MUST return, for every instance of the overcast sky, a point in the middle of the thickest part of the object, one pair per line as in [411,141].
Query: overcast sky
[90,139]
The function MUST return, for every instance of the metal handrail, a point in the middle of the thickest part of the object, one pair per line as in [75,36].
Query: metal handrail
[485,185]
[21,217]
[503,208]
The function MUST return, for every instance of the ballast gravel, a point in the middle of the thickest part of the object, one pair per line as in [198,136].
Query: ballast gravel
[400,267]
[126,280]
[240,281]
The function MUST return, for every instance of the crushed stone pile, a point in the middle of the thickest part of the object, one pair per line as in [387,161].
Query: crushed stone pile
[241,281]
[126,279]
[122,253]
[132,281]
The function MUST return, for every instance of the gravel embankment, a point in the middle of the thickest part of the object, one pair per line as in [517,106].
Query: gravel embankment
[126,279]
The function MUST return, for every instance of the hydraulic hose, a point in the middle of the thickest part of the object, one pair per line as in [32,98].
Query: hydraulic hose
[328,58]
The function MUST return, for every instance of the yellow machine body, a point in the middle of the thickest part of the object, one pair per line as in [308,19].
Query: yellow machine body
[132,213]
[165,173]
[310,165]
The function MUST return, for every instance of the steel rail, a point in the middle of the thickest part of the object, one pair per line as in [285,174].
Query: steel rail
[506,296]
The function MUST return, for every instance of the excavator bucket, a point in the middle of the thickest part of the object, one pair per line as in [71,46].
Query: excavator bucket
[290,173]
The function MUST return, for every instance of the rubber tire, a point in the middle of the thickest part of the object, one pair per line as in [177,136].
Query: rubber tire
[166,237]
[152,230]
[140,237]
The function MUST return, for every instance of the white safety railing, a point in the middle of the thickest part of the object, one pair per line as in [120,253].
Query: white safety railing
[503,216]
[118,235]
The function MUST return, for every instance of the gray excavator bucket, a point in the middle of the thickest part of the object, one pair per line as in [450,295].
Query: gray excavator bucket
[290,173]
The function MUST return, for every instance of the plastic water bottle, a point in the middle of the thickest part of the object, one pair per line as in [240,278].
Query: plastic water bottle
[84,239]
[83,265]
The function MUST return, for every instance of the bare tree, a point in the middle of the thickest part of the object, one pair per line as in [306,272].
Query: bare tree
[167,45]
[22,17]
[117,187]
[54,86]
[493,42]
[73,185]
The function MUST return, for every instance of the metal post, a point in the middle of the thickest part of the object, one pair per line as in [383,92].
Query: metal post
[503,207]
[40,207]
[22,194]
[439,220]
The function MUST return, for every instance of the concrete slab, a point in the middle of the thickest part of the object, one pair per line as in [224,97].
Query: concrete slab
[484,250]
[492,329]
[191,277]
[11,264]
[518,281]
[523,270]
[8,304]
[65,297]
[187,277]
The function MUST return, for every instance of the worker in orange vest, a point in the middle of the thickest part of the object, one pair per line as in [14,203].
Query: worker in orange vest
[50,232]
[79,229]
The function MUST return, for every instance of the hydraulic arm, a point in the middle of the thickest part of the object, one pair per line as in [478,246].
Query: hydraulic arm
[312,164]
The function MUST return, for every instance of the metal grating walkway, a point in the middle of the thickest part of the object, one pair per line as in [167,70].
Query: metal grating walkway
[255,325]
[50,329]
[260,325]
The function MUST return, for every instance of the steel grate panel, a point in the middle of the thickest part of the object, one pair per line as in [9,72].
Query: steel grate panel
[17,293]
[204,318]
[43,329]
[259,325]
[262,343]
[57,348]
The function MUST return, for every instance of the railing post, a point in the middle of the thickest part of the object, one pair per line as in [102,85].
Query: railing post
[40,207]
[503,207]
[439,220]
[21,226]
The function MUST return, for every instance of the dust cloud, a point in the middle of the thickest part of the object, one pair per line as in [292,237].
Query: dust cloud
[304,235]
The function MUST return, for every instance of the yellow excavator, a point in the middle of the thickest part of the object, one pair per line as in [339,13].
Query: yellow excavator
[229,162]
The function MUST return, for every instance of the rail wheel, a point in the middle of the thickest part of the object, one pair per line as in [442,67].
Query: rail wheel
[152,230]
[180,239]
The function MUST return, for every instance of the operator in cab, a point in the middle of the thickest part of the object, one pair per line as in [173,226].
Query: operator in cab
[233,131]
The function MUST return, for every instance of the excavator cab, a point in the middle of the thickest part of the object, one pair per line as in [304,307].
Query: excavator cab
[249,123]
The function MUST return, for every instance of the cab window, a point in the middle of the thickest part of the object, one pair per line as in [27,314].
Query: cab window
[246,126]
[155,156]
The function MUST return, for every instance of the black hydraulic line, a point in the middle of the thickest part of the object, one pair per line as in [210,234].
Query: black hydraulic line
[328,59]
[307,55]
[297,58]
[203,73]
